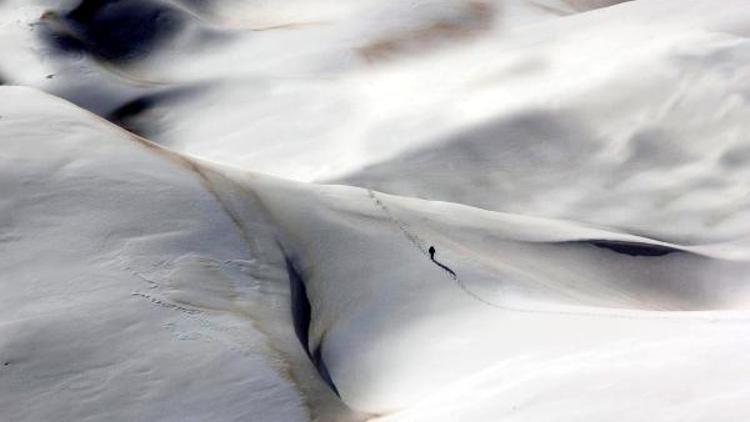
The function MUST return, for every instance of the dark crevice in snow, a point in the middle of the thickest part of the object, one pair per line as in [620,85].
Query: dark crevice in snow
[138,115]
[123,116]
[633,248]
[301,309]
[301,316]
[115,30]
[317,358]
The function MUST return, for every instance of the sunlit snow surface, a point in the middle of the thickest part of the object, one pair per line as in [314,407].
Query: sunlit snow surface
[439,210]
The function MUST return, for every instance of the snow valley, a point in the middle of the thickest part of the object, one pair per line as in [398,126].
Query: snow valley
[443,210]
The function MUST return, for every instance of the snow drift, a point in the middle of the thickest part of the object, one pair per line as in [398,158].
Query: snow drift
[522,211]
[212,247]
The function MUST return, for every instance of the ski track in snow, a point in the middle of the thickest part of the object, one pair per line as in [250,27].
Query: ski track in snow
[420,244]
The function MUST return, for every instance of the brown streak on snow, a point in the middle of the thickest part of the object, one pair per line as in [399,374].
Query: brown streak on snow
[479,20]
[290,25]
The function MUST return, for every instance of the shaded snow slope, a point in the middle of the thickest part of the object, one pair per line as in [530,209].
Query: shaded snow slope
[634,116]
[629,116]
[97,231]
[351,84]
[159,288]
[530,210]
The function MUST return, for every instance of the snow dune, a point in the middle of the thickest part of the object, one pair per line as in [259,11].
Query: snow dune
[521,210]
[194,260]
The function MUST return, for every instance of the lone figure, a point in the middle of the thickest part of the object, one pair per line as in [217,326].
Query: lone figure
[432,252]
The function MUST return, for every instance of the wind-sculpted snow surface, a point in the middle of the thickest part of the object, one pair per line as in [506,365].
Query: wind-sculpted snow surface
[540,210]
[195,260]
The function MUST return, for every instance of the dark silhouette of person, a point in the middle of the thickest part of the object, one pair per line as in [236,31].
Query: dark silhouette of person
[432,258]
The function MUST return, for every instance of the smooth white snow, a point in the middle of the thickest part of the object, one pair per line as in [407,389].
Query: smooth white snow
[579,170]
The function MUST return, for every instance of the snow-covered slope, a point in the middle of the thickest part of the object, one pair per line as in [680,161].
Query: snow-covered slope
[344,81]
[93,225]
[538,210]
[629,116]
[142,281]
